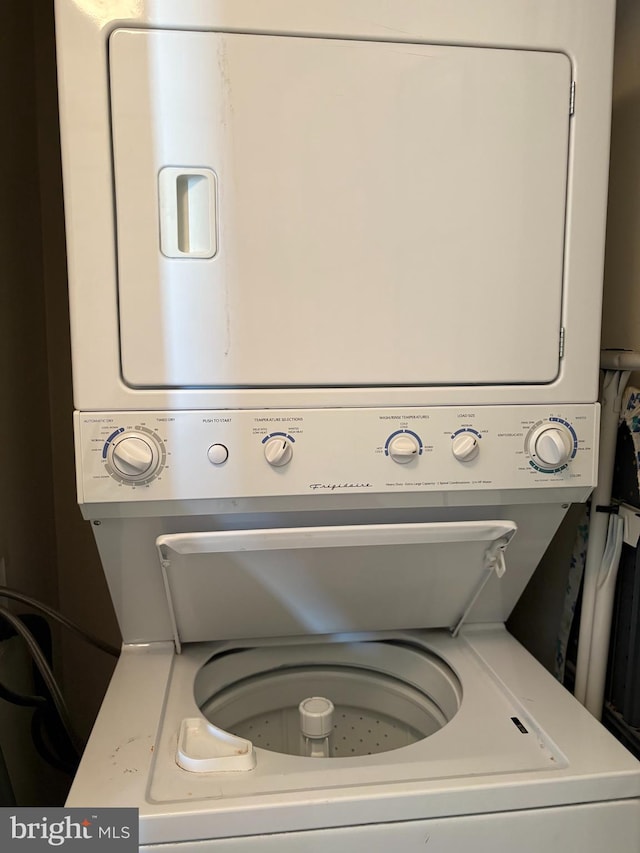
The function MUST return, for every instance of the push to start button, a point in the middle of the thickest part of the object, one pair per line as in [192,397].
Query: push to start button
[218,454]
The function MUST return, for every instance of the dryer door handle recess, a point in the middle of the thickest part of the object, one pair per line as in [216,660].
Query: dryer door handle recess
[187,210]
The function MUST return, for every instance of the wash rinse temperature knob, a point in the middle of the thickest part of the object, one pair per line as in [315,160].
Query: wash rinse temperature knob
[403,447]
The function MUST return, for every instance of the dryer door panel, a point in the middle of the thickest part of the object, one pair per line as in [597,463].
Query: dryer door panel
[325,212]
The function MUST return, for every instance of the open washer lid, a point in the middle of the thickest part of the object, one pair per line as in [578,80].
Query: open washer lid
[279,582]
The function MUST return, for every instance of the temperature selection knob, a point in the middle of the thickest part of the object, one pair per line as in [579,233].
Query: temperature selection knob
[278,451]
[403,448]
[134,457]
[465,446]
[550,445]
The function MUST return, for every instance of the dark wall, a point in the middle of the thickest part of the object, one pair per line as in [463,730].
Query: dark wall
[46,548]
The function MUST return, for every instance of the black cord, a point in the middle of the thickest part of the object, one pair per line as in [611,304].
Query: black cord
[57,752]
[7,796]
[20,699]
[7,592]
[39,727]
[47,676]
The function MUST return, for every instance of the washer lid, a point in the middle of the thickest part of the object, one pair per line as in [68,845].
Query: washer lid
[243,584]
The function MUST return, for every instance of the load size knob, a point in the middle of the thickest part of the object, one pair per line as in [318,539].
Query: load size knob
[278,451]
[403,448]
[550,446]
[465,446]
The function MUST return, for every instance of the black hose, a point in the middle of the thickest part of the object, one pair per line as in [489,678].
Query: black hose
[15,595]
[47,676]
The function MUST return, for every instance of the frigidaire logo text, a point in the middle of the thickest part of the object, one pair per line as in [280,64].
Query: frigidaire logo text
[332,487]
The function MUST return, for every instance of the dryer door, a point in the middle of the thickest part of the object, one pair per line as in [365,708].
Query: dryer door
[329,212]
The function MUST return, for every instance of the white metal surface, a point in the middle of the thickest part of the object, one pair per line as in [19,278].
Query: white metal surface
[236,584]
[127,547]
[395,195]
[332,452]
[590,829]
[527,27]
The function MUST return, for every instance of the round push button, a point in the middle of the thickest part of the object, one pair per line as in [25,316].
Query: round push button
[218,454]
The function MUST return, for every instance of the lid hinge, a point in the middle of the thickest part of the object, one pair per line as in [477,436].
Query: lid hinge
[494,563]
[572,98]
[165,565]
[561,341]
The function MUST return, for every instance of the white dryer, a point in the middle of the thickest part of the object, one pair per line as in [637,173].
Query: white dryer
[275,204]
[335,282]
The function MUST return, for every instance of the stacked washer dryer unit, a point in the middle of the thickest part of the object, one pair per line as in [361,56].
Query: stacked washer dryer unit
[335,278]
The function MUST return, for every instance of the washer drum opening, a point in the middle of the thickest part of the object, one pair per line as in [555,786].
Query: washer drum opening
[384,696]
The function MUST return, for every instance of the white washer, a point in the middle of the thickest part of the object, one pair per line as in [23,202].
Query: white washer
[235,610]
[484,744]
[518,758]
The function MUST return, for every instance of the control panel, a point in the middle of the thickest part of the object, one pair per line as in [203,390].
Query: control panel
[125,456]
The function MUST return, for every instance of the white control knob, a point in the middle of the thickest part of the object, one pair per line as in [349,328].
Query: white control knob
[133,457]
[550,445]
[217,454]
[465,446]
[278,451]
[403,448]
